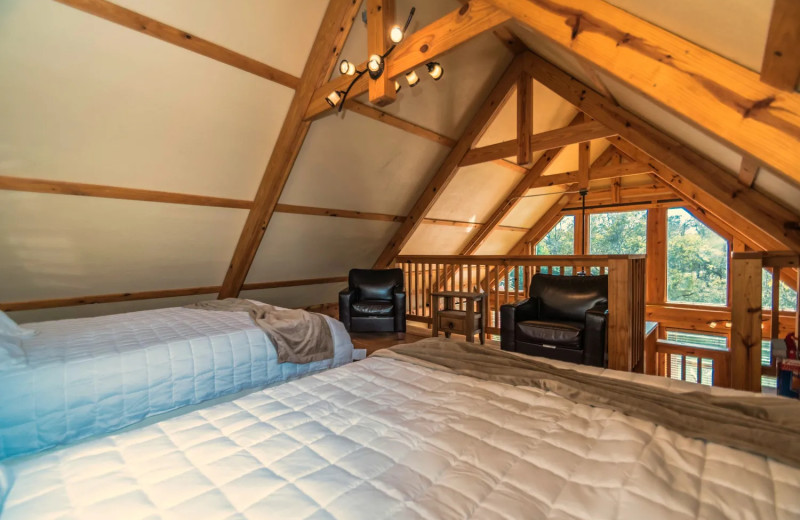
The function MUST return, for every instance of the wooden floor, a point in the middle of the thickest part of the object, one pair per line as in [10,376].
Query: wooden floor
[373,341]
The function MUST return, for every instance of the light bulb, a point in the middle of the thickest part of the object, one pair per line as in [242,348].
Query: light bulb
[345,67]
[712,324]
[333,98]
[435,70]
[397,86]
[374,63]
[396,34]
[412,78]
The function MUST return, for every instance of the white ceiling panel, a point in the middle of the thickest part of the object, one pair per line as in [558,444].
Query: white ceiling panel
[86,100]
[266,31]
[307,246]
[433,239]
[474,193]
[500,242]
[55,246]
[530,209]
[355,163]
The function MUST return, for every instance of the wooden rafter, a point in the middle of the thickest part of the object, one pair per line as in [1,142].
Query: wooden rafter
[146,25]
[475,129]
[333,31]
[717,95]
[422,46]
[524,119]
[695,176]
[542,141]
[781,64]
[380,19]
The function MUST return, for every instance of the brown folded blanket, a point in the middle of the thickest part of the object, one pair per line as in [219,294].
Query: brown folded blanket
[299,336]
[768,426]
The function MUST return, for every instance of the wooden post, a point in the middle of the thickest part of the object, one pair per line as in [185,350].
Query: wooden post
[380,17]
[657,255]
[746,321]
[524,119]
[626,312]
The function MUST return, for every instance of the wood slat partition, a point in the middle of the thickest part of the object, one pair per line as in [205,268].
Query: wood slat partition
[493,275]
[719,362]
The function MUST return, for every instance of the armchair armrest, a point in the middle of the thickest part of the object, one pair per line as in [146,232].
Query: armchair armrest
[594,335]
[346,299]
[399,302]
[510,314]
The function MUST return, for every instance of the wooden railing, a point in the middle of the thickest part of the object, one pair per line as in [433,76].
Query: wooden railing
[694,364]
[746,312]
[506,279]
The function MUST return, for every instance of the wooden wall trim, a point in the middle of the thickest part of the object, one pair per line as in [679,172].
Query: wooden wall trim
[146,25]
[329,212]
[781,64]
[115,192]
[28,305]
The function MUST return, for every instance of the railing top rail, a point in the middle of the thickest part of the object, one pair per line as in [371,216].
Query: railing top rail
[672,347]
[770,258]
[593,260]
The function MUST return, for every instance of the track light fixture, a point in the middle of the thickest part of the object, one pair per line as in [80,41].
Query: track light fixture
[376,66]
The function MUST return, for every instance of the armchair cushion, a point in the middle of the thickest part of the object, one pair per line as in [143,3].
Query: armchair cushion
[376,284]
[567,298]
[372,308]
[565,334]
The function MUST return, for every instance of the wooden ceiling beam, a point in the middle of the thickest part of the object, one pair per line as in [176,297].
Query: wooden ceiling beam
[584,152]
[695,176]
[524,119]
[422,46]
[333,31]
[542,141]
[748,171]
[612,171]
[380,19]
[473,132]
[716,94]
[781,65]
[146,25]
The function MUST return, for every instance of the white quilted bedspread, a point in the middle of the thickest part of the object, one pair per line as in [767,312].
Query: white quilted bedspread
[385,439]
[94,375]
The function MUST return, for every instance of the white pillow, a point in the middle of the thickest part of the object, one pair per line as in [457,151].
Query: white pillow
[11,353]
[9,327]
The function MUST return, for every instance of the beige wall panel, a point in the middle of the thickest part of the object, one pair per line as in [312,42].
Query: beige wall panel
[103,309]
[352,162]
[550,112]
[86,100]
[54,246]
[530,209]
[474,193]
[470,72]
[500,242]
[431,239]
[735,29]
[307,246]
[551,51]
[267,31]
[567,160]
[779,187]
[294,297]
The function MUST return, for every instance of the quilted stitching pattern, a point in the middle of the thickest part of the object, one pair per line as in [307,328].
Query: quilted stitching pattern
[95,375]
[385,439]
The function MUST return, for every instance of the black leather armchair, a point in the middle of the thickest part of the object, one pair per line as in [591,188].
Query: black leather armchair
[374,301]
[565,318]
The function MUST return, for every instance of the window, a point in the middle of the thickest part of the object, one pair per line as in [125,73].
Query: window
[705,370]
[697,261]
[788,296]
[623,233]
[560,240]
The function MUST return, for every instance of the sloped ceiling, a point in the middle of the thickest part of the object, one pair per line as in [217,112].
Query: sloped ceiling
[86,100]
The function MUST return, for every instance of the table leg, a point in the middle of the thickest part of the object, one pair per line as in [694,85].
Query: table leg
[469,326]
[435,316]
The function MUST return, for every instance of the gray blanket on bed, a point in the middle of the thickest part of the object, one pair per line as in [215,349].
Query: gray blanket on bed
[299,336]
[768,426]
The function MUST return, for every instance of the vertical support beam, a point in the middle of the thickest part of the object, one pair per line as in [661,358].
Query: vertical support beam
[616,187]
[480,122]
[380,19]
[583,165]
[746,321]
[748,171]
[781,65]
[657,256]
[333,31]
[524,119]
[579,228]
[626,312]
[775,324]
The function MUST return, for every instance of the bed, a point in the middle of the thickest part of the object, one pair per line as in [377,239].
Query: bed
[90,376]
[382,438]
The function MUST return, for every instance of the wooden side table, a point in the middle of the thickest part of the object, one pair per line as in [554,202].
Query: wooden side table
[466,320]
